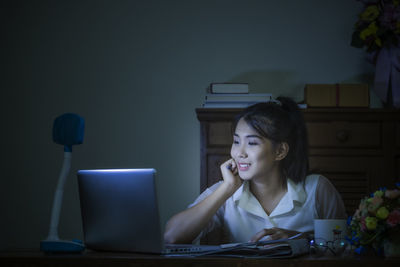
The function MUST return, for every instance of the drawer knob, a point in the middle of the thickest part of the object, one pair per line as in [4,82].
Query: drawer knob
[342,136]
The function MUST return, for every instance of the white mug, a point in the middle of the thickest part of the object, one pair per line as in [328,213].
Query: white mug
[329,229]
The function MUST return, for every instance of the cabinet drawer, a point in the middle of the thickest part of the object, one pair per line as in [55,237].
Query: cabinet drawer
[344,134]
[220,133]
[213,168]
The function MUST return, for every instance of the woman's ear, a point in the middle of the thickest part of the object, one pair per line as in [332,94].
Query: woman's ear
[281,151]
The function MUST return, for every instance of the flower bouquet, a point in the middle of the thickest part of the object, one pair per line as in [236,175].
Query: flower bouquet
[376,222]
[378,30]
[378,25]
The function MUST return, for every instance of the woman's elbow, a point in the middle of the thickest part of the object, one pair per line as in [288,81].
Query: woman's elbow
[173,237]
[170,238]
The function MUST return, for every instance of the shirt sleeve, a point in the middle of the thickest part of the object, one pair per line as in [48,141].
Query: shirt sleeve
[217,220]
[329,203]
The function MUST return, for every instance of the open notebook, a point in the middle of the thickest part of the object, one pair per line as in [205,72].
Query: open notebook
[120,213]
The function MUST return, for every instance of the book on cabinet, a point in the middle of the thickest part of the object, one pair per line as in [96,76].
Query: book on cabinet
[229,88]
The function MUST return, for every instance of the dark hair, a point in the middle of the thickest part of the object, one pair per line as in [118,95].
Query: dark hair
[281,121]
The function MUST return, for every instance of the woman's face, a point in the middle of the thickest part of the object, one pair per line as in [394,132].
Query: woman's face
[254,155]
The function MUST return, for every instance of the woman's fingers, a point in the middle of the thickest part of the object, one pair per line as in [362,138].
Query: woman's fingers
[233,167]
[230,173]
[261,234]
[272,233]
[229,169]
[228,164]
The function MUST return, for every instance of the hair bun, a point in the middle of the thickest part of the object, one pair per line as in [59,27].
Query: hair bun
[287,103]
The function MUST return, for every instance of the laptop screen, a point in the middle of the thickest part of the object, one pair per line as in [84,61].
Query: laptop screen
[119,210]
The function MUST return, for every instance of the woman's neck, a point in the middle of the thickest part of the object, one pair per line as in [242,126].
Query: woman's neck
[269,191]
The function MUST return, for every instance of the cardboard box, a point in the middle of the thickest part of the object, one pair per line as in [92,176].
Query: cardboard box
[336,95]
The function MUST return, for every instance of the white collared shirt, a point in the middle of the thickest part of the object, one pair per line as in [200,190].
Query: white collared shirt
[242,215]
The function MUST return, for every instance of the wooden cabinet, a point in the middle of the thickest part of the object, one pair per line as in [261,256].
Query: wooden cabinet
[357,149]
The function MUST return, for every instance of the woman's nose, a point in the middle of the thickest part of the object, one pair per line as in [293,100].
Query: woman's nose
[242,152]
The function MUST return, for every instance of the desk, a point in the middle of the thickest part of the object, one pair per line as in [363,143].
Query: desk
[31,259]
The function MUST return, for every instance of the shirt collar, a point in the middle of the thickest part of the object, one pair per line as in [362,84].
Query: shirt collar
[238,194]
[295,195]
[296,191]
[246,200]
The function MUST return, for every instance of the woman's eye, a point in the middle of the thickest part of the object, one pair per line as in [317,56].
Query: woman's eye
[235,142]
[253,143]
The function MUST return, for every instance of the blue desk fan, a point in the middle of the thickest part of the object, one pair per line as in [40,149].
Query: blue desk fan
[68,130]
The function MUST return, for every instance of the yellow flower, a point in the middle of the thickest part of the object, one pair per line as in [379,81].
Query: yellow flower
[382,213]
[370,13]
[372,29]
[379,193]
[371,223]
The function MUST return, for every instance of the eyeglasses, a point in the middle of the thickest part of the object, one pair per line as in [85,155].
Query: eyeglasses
[321,246]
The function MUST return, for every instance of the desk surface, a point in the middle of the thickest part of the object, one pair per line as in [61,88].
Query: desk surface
[128,259]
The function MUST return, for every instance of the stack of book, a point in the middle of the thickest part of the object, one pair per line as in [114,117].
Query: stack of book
[232,95]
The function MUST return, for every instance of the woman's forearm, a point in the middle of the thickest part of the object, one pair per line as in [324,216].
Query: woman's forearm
[185,226]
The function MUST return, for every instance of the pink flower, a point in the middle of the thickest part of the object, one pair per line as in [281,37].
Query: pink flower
[392,194]
[394,218]
[363,225]
[391,15]
[377,200]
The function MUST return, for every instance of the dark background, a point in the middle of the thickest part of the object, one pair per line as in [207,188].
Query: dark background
[136,71]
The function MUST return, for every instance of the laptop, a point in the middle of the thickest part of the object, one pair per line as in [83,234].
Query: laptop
[120,213]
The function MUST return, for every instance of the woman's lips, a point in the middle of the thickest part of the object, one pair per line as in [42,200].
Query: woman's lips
[244,166]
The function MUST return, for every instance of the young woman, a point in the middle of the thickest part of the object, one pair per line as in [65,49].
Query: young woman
[265,191]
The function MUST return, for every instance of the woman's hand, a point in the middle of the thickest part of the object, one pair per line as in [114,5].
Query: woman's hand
[277,233]
[230,174]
